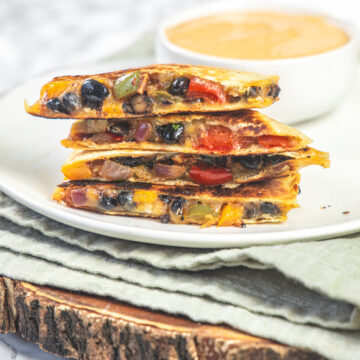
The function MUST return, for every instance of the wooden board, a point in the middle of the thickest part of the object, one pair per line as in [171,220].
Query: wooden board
[87,327]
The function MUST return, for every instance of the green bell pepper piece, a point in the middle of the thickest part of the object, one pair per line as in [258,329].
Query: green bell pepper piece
[126,85]
[200,211]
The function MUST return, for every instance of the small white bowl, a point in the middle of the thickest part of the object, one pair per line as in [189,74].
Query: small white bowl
[310,85]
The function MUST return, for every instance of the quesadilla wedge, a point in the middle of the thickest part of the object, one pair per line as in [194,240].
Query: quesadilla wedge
[241,132]
[187,169]
[252,203]
[154,90]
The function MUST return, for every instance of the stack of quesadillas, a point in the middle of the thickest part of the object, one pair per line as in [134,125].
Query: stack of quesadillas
[178,143]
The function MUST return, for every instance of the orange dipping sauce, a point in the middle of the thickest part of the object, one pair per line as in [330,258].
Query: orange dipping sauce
[258,35]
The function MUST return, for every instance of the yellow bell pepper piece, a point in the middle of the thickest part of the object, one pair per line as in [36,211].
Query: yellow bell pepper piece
[111,108]
[77,172]
[58,194]
[231,215]
[92,195]
[55,88]
[145,196]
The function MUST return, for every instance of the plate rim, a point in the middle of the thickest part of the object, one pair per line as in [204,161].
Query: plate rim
[57,213]
[165,237]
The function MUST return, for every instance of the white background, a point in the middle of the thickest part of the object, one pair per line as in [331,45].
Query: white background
[38,35]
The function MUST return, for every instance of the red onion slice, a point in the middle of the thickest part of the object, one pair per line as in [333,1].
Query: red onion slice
[143,131]
[102,138]
[169,171]
[114,171]
[78,197]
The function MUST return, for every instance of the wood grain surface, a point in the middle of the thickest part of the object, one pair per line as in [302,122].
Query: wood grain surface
[81,326]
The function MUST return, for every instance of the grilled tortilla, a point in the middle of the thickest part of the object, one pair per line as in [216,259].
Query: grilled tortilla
[247,204]
[187,169]
[241,132]
[154,90]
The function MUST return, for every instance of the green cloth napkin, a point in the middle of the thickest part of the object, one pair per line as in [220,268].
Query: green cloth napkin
[301,294]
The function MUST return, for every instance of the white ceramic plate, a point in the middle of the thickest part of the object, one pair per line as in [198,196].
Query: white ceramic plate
[31,157]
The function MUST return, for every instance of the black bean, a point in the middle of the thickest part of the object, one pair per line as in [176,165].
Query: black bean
[140,103]
[129,161]
[125,198]
[166,102]
[170,133]
[177,205]
[167,160]
[107,202]
[233,99]
[299,190]
[127,108]
[149,163]
[165,198]
[269,208]
[132,161]
[120,129]
[159,130]
[179,86]
[71,101]
[165,219]
[221,161]
[55,104]
[93,93]
[250,162]
[274,91]
[173,133]
[208,160]
[253,91]
[251,212]
[276,159]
